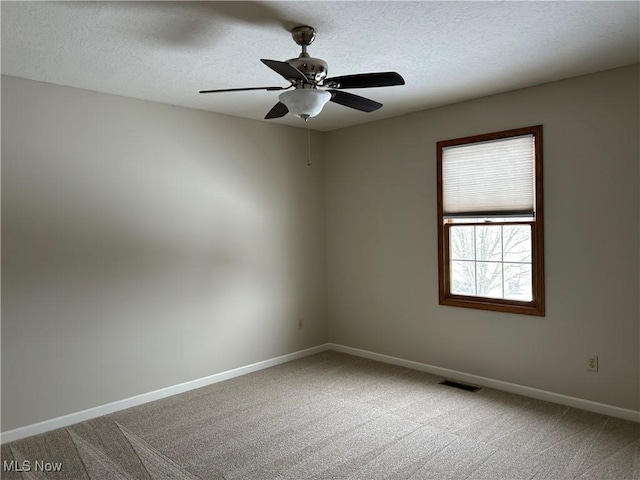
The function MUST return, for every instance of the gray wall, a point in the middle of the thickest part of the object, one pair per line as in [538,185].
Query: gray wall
[382,241]
[146,245]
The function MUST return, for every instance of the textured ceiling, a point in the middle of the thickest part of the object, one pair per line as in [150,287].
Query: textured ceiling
[446,51]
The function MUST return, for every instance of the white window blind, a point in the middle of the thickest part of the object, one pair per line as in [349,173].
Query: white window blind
[494,178]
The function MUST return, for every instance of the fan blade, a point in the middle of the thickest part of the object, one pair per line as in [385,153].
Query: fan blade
[244,89]
[285,69]
[354,101]
[278,110]
[365,80]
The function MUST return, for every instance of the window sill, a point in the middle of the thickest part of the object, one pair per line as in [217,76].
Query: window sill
[496,305]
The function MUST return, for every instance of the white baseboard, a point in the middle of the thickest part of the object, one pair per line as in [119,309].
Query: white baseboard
[72,418]
[596,407]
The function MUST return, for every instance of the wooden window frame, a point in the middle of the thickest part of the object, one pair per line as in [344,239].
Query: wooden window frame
[537,305]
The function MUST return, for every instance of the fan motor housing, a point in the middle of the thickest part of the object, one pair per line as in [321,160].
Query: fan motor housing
[315,69]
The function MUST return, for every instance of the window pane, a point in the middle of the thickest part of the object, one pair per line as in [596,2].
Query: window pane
[489,243]
[477,265]
[489,279]
[463,278]
[518,282]
[462,243]
[517,243]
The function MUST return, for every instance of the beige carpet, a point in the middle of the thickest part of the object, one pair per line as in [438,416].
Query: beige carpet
[335,416]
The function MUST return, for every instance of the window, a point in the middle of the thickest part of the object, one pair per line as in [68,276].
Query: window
[490,228]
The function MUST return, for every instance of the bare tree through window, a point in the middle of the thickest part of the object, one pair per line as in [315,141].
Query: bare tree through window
[491,261]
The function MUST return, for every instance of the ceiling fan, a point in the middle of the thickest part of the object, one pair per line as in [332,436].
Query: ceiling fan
[306,74]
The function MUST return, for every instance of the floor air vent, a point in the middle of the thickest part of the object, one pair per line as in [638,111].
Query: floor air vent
[461,386]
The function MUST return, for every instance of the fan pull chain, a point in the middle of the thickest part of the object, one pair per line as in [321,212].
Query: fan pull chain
[308,141]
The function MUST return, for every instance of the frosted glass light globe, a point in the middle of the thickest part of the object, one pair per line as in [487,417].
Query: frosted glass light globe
[305,102]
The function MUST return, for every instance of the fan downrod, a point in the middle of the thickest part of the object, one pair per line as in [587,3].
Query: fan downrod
[315,69]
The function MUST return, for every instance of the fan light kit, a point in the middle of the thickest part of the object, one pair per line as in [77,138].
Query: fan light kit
[305,102]
[306,74]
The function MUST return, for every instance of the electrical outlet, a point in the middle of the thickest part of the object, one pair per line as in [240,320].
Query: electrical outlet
[592,363]
[300,324]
